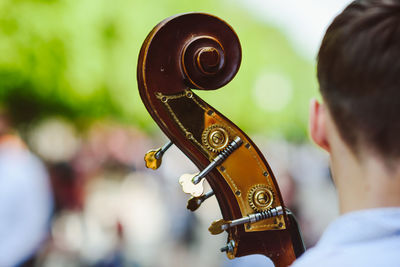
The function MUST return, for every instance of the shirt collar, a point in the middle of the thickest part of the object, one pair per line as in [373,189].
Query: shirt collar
[362,226]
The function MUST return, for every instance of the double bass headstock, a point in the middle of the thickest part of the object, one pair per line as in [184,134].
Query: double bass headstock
[200,51]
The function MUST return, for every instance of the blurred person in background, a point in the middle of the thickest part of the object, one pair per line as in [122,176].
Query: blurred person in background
[358,125]
[25,199]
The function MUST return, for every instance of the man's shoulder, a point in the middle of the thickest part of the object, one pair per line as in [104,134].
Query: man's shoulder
[365,238]
[374,254]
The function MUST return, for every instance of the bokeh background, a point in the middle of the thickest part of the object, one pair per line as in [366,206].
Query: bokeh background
[73,131]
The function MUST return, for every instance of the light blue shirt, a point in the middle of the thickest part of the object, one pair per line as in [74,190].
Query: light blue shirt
[361,238]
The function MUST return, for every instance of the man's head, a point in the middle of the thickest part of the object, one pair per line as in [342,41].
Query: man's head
[359,76]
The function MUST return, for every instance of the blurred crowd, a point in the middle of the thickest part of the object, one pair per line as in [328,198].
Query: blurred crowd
[72,197]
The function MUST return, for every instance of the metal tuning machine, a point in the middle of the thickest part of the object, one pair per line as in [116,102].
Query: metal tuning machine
[206,55]
[193,183]
[153,157]
[195,202]
[229,247]
[219,226]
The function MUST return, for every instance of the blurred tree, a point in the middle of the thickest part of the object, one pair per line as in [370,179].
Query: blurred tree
[78,59]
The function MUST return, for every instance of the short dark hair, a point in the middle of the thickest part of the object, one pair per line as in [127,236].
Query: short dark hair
[359,75]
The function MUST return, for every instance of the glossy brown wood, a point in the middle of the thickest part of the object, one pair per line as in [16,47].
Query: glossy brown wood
[201,51]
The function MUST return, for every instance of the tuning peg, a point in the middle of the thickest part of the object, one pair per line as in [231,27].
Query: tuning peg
[153,157]
[218,159]
[186,181]
[189,182]
[219,226]
[195,202]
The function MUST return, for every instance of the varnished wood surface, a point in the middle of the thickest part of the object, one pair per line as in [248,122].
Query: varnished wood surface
[169,64]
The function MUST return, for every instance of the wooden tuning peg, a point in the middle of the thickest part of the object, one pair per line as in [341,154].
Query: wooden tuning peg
[153,157]
[195,202]
[188,185]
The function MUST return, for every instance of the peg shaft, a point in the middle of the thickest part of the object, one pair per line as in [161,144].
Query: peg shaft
[218,159]
[219,226]
[163,149]
[193,183]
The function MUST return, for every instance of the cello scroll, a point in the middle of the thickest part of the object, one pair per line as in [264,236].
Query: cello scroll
[200,51]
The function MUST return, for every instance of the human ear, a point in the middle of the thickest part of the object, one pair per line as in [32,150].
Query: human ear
[317,124]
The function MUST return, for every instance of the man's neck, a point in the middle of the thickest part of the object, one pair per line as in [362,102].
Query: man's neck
[364,183]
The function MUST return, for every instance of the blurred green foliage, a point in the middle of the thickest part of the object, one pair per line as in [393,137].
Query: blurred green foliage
[78,59]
